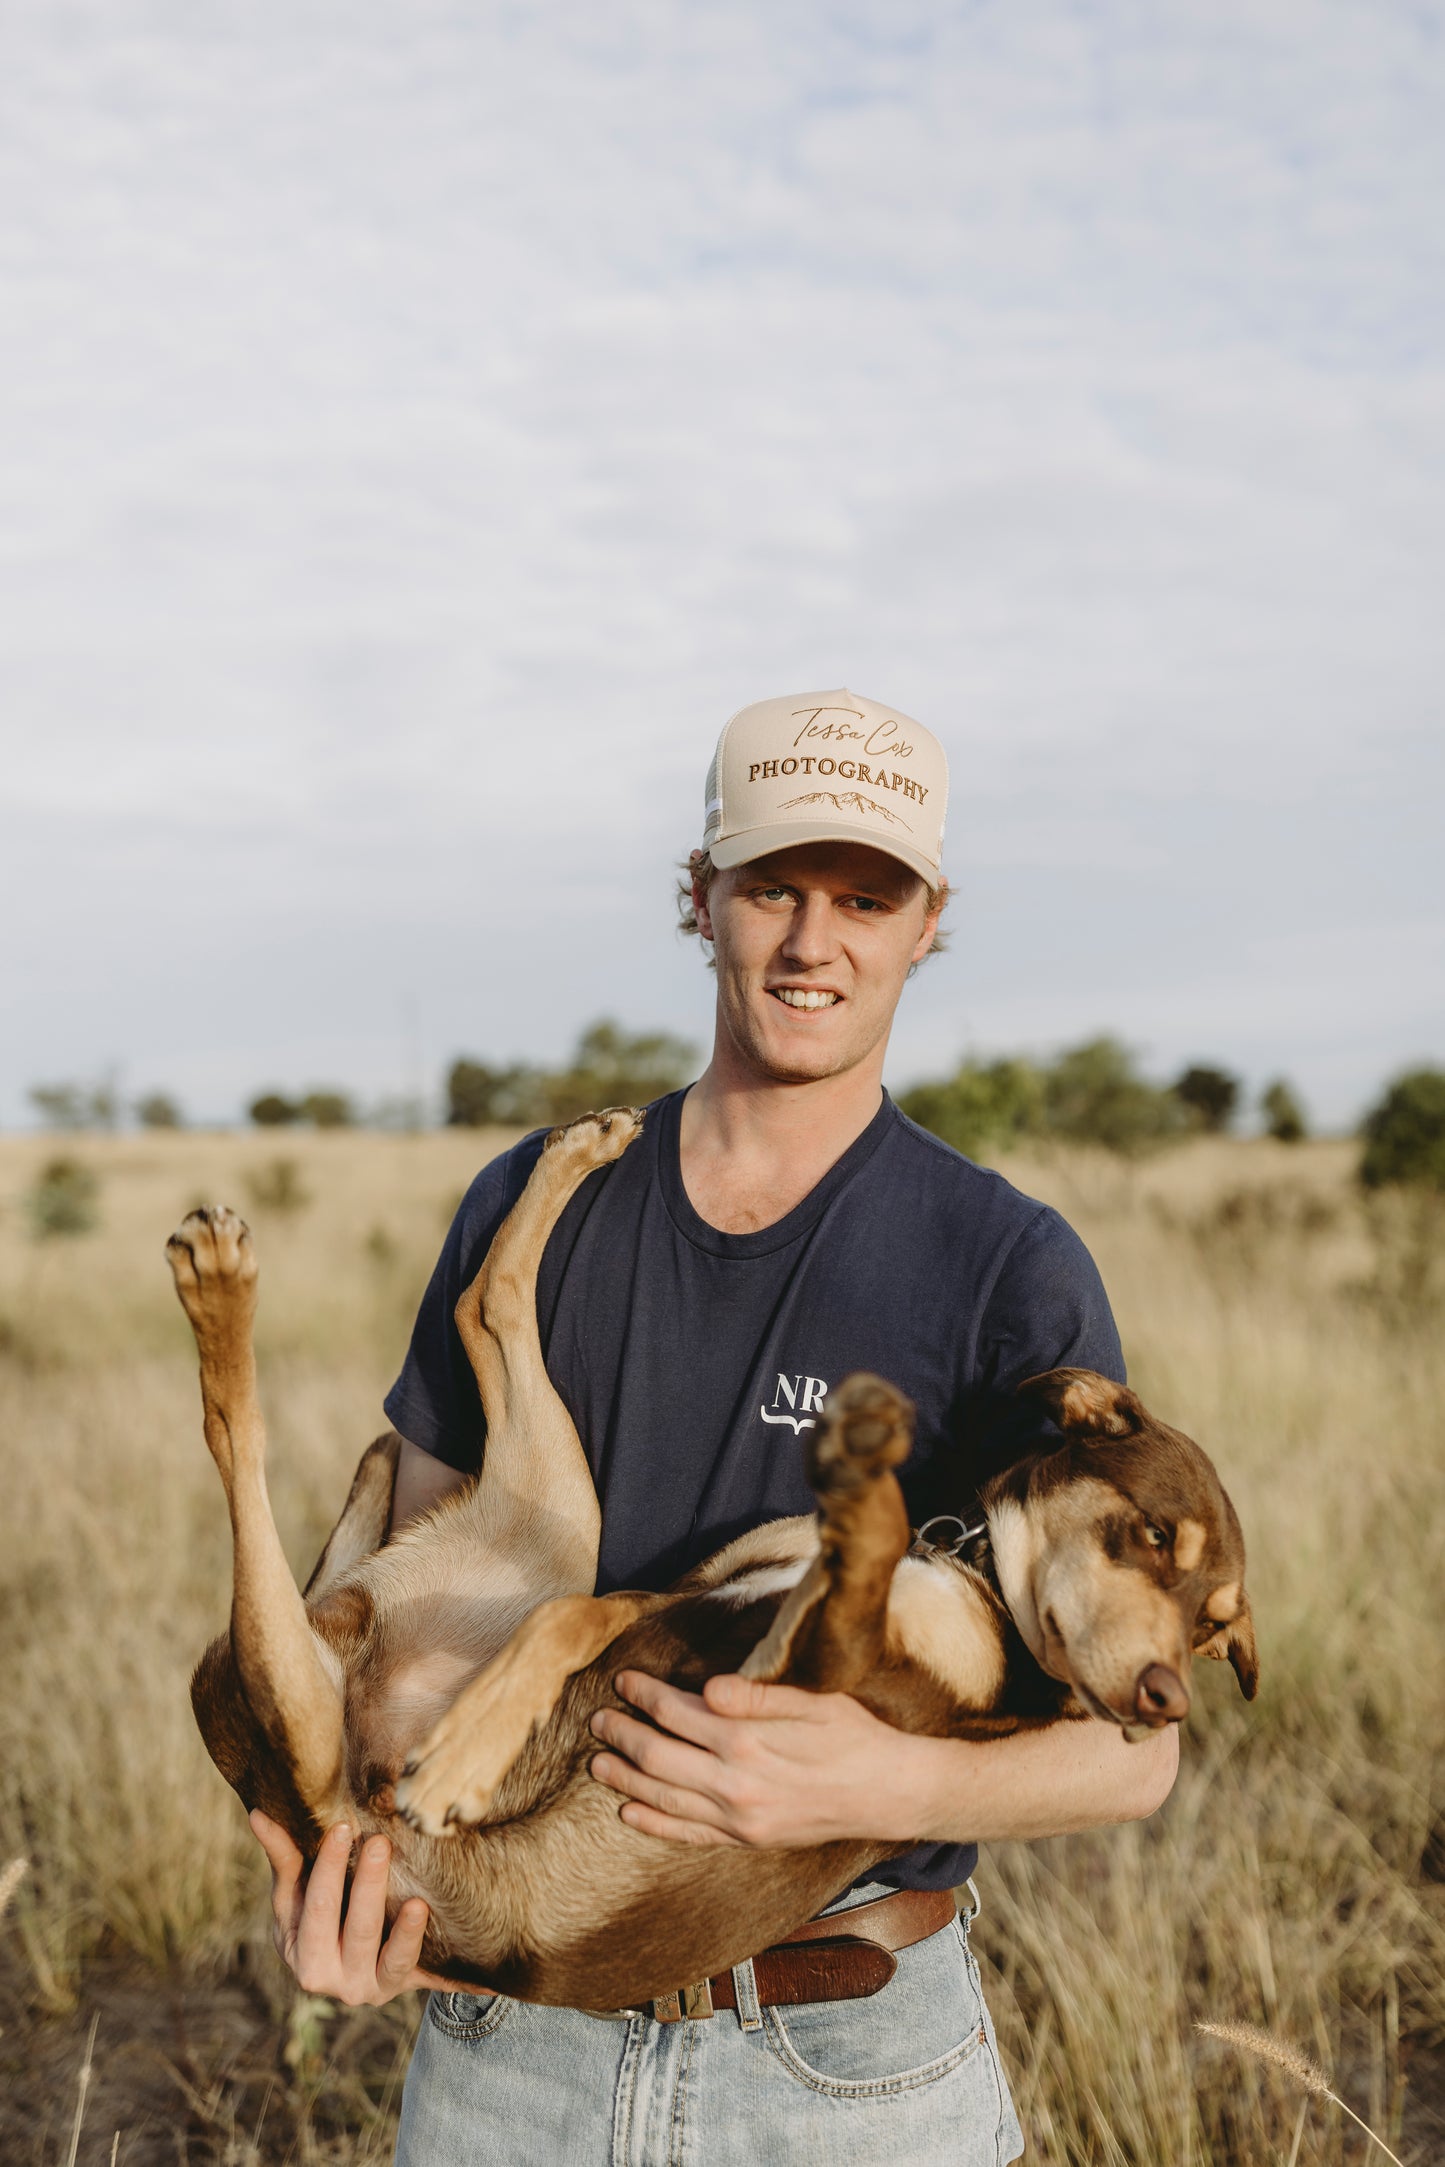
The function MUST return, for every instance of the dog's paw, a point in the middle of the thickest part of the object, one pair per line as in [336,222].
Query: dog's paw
[450,1781]
[867,1426]
[595,1139]
[212,1261]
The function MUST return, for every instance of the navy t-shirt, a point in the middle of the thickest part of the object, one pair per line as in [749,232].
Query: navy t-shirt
[692,1361]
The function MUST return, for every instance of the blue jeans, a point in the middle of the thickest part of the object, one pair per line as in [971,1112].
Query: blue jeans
[908,2077]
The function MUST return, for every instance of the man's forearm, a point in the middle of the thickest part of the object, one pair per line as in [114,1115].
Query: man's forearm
[1048,1782]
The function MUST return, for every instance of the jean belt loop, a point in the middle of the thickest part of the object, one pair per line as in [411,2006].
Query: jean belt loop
[745,1987]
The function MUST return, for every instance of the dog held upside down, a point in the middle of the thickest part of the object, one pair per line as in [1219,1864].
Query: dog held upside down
[438,1686]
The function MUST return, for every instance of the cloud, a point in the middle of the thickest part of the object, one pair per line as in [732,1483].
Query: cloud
[428,427]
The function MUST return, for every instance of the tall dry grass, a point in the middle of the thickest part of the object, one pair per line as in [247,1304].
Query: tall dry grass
[1293,1880]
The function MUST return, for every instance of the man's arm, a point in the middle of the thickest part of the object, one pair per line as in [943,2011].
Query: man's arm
[744,1763]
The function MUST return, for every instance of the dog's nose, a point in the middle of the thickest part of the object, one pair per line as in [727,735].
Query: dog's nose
[1160,1696]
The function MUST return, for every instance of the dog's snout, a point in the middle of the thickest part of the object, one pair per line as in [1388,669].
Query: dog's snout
[1160,1696]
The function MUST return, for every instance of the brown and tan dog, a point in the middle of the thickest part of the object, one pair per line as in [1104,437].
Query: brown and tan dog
[438,1686]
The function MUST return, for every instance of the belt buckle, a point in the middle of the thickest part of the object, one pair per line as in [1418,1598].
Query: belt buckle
[686,2001]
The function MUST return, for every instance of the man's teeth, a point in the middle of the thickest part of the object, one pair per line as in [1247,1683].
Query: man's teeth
[800,997]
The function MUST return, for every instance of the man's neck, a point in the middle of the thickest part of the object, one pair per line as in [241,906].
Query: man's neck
[753,1147]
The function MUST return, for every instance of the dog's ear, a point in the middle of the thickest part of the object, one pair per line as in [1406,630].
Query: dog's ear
[1235,1643]
[1084,1404]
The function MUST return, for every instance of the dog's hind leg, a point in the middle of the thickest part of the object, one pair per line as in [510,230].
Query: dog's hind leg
[535,1476]
[291,1691]
[829,1633]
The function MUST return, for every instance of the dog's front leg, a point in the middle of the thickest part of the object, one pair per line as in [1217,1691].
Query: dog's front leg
[451,1779]
[289,1688]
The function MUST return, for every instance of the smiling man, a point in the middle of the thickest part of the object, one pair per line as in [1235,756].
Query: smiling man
[776,1226]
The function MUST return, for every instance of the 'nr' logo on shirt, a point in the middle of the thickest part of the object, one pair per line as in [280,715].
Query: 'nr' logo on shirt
[805,1394]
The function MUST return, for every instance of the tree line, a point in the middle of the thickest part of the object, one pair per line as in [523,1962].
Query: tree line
[1094,1093]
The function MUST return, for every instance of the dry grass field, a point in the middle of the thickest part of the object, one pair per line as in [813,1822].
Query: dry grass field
[1295,1880]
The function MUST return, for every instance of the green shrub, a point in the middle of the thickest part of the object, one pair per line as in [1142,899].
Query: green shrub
[328,1110]
[1284,1117]
[608,1068]
[482,1097]
[982,1107]
[1093,1094]
[1405,1134]
[1211,1094]
[63,1199]
[158,1110]
[274,1111]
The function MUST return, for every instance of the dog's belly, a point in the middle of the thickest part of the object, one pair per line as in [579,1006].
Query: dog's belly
[424,1646]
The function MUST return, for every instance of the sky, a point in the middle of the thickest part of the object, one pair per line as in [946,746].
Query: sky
[425,424]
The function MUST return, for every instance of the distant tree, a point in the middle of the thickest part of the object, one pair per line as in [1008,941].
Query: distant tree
[481,1097]
[1211,1094]
[1094,1094]
[60,1105]
[328,1110]
[158,1110]
[982,1107]
[1284,1117]
[1405,1134]
[272,1111]
[75,1105]
[63,1199]
[609,1068]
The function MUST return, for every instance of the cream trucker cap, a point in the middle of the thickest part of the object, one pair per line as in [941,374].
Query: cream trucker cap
[826,767]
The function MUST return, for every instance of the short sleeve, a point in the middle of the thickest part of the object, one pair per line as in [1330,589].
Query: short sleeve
[1047,1309]
[434,1402]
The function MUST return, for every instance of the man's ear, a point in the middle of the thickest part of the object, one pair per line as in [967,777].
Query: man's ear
[1235,1643]
[1084,1404]
[700,910]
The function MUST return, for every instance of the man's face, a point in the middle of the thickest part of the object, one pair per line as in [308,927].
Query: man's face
[813,945]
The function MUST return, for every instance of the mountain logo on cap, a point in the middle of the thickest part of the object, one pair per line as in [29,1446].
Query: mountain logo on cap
[848,798]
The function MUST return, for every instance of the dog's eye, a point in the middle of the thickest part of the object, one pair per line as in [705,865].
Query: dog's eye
[1155,1536]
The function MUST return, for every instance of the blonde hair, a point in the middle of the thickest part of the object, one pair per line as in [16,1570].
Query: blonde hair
[697,869]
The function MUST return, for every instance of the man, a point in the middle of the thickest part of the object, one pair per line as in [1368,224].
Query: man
[775,1226]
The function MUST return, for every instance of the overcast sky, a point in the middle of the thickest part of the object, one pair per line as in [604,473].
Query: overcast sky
[425,424]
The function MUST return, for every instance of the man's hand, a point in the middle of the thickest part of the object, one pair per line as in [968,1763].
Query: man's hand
[767,1764]
[743,1763]
[349,1963]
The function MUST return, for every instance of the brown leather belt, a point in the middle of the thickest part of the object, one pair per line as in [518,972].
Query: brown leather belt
[841,1957]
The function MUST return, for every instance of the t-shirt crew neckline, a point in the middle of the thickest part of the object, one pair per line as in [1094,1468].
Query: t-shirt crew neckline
[764,1240]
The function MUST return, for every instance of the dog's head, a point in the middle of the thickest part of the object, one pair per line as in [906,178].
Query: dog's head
[1120,1556]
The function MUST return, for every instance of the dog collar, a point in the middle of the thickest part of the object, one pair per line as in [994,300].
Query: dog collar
[970,1545]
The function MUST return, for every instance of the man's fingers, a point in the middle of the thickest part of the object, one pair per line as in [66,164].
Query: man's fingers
[287,1865]
[402,1946]
[685,1714]
[699,1834]
[285,1859]
[318,1932]
[673,1799]
[657,1754]
[732,1696]
[366,1907]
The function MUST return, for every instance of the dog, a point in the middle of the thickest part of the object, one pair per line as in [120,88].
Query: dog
[436,1685]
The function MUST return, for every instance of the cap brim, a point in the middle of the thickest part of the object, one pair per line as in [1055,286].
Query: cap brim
[787,834]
